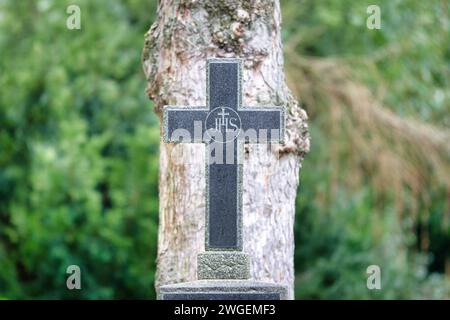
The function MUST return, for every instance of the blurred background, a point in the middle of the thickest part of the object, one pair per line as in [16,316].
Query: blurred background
[79,149]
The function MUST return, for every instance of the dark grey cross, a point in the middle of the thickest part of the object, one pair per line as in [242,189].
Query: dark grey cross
[223,125]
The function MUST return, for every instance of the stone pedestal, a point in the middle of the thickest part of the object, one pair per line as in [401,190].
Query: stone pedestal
[223,265]
[223,275]
[223,290]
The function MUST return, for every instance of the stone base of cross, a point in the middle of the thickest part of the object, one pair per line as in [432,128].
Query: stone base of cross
[223,265]
[223,126]
[223,290]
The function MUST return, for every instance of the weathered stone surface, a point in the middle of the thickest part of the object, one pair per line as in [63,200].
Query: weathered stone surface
[221,296]
[223,265]
[224,114]
[223,290]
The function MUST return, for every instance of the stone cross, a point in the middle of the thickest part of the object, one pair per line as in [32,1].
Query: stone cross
[224,125]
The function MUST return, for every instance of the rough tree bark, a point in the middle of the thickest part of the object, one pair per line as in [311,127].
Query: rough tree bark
[185,34]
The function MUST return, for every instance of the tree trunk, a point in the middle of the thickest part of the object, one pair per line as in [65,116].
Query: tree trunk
[186,33]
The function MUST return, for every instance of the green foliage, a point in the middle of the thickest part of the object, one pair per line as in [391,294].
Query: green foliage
[409,54]
[79,151]
[350,212]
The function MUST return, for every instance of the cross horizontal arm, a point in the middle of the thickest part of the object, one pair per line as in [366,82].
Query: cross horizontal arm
[259,122]
[184,124]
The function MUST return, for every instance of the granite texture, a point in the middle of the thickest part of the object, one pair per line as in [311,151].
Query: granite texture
[223,290]
[222,296]
[223,181]
[223,265]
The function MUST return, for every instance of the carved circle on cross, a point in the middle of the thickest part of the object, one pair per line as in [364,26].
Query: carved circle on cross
[223,124]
